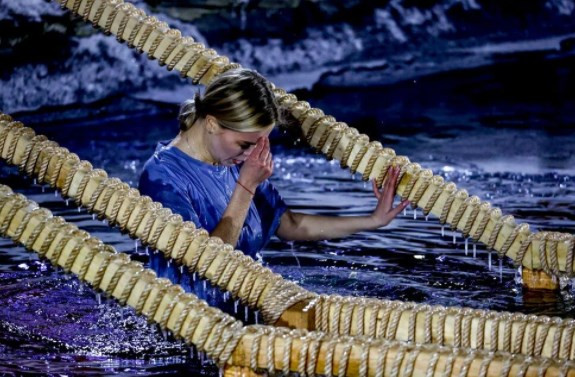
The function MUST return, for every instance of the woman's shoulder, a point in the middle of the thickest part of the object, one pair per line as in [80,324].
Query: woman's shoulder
[165,166]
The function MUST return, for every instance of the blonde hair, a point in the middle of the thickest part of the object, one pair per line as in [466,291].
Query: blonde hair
[241,100]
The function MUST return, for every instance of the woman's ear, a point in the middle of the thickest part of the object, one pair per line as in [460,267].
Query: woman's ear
[212,125]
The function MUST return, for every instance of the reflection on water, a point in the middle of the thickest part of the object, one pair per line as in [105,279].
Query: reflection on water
[51,324]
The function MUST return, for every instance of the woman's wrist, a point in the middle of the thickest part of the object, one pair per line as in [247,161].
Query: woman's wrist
[250,191]
[374,222]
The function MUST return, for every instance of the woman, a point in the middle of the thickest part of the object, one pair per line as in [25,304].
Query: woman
[215,172]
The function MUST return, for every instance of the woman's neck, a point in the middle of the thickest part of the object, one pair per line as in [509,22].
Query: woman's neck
[194,141]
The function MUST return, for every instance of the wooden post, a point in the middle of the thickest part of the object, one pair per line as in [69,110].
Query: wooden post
[298,316]
[539,280]
[235,371]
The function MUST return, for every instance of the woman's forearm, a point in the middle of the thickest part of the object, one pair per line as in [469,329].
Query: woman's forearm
[232,221]
[303,227]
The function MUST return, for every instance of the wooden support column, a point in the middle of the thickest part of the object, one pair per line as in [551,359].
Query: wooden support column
[539,280]
[298,316]
[235,371]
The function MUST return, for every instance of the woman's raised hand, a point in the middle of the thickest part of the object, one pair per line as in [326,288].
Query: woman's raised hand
[258,166]
[384,211]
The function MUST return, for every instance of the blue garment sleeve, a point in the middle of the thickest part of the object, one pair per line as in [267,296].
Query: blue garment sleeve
[159,185]
[270,206]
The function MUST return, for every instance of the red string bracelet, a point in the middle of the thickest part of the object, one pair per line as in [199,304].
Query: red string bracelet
[245,188]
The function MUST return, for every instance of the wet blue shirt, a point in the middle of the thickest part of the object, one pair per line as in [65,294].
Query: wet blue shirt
[201,192]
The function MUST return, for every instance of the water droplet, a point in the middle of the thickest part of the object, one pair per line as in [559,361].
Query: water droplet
[564,282]
[519,275]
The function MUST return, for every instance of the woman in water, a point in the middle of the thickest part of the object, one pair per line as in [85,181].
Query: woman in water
[215,171]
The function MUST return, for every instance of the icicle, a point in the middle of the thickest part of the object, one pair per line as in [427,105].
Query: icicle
[443,231]
[236,306]
[169,263]
[80,288]
[93,216]
[474,250]
[43,188]
[164,334]
[105,221]
[405,211]
[204,285]
[213,292]
[135,246]
[181,269]
[192,356]
[489,260]
[257,317]
[415,213]
[221,372]
[202,358]
[99,298]
[466,246]
[35,181]
[79,209]
[194,276]
[147,250]
[454,237]
[246,313]
[500,270]
[426,217]
[67,202]
[55,193]
[226,296]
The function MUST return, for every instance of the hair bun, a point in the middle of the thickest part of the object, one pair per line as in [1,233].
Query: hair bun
[198,105]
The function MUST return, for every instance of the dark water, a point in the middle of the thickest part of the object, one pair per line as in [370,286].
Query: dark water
[51,325]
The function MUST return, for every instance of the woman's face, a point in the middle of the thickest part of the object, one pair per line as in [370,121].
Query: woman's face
[232,147]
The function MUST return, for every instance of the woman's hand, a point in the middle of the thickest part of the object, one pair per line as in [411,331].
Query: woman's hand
[384,211]
[258,166]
